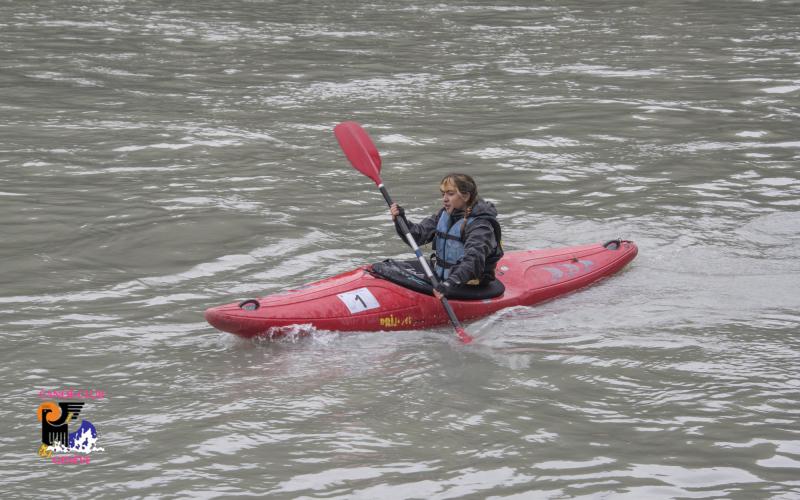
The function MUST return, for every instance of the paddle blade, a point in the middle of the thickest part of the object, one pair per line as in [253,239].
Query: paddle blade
[359,149]
[463,336]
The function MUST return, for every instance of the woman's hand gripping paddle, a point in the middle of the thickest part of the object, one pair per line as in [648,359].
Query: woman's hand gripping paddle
[363,155]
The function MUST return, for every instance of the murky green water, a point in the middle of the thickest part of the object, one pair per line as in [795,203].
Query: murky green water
[158,158]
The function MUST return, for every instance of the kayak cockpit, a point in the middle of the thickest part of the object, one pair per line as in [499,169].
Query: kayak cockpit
[409,274]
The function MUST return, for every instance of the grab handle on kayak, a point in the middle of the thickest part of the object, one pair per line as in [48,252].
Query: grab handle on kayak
[617,243]
[249,305]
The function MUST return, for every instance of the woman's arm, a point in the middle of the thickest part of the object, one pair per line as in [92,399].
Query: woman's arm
[423,232]
[479,242]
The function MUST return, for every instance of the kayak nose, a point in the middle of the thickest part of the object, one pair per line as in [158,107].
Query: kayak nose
[225,318]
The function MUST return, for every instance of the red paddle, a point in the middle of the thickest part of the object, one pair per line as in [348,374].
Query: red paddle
[363,155]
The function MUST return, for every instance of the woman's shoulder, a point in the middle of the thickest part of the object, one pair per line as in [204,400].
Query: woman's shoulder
[483,208]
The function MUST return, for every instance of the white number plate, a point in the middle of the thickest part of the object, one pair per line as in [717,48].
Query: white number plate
[359,300]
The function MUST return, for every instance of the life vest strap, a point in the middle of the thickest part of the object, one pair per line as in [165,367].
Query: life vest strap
[448,236]
[446,265]
[443,264]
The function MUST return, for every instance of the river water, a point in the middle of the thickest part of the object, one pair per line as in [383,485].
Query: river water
[158,158]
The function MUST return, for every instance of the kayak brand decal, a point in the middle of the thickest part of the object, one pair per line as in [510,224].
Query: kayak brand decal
[59,444]
[359,300]
[393,321]
[569,269]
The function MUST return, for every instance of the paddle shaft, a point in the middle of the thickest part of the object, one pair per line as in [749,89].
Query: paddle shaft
[425,266]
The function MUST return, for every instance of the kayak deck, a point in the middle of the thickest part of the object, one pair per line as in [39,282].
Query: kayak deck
[359,301]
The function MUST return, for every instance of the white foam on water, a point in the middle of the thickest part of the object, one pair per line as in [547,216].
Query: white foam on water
[783,89]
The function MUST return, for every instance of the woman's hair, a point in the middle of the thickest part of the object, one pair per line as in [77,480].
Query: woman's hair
[464,184]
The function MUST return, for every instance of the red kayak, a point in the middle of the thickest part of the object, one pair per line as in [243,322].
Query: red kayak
[360,300]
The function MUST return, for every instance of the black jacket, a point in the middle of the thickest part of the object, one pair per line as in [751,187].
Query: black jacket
[481,248]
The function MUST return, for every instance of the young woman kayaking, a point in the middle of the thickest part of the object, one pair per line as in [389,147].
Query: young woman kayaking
[465,235]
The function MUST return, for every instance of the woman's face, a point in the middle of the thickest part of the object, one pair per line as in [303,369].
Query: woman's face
[452,199]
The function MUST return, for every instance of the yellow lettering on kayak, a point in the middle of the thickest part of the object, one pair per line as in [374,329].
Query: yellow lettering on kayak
[393,321]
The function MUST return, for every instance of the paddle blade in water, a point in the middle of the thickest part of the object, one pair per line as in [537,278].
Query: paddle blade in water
[463,336]
[359,149]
